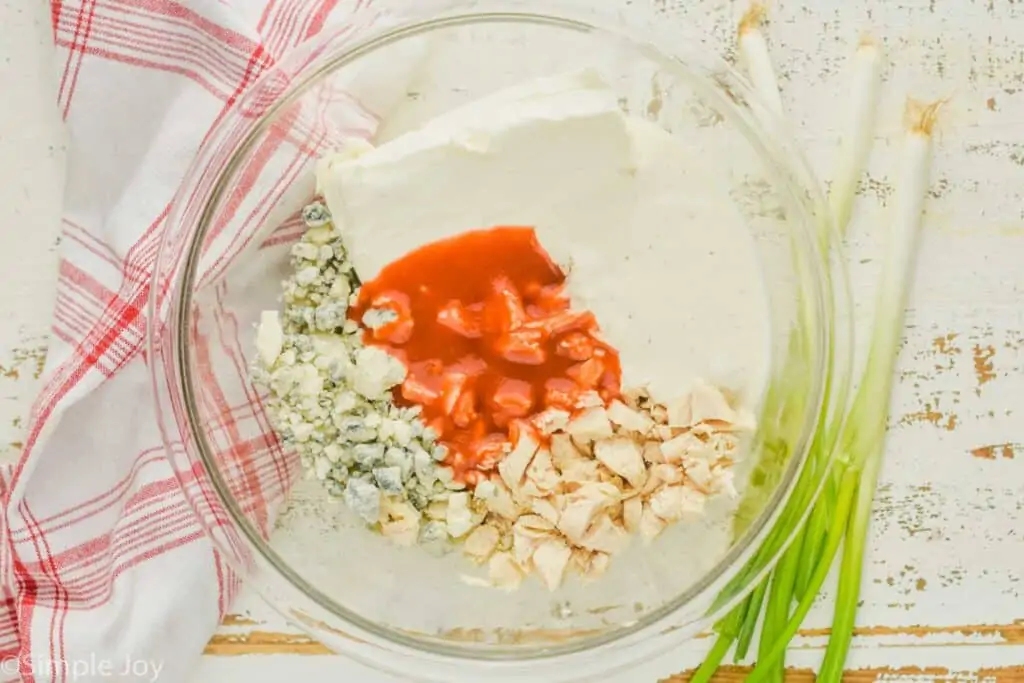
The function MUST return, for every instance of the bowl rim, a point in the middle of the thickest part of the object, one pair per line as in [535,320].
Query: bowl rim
[711,68]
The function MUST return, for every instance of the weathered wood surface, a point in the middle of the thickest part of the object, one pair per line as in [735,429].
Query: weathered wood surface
[942,600]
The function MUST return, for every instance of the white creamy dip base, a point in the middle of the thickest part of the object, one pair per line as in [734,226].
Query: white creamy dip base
[646,230]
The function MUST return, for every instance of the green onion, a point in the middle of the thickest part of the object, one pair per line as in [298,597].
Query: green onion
[856,436]
[860,447]
[754,50]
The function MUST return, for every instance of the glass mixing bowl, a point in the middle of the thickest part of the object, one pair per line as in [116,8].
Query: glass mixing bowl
[225,253]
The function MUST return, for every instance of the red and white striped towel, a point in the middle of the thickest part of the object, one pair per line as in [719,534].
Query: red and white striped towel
[103,561]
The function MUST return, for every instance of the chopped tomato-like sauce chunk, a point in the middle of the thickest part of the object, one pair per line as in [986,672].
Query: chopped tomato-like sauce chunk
[486,331]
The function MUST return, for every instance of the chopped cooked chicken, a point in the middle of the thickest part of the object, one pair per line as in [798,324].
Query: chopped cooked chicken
[628,419]
[574,489]
[563,451]
[504,572]
[400,521]
[460,517]
[652,453]
[581,471]
[542,472]
[481,542]
[604,535]
[546,509]
[672,503]
[497,498]
[698,470]
[651,525]
[582,506]
[551,420]
[590,425]
[632,510]
[513,466]
[550,560]
[623,457]
[708,404]
[674,450]
[666,474]
[590,399]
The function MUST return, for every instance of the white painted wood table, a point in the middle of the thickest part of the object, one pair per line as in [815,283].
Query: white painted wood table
[942,598]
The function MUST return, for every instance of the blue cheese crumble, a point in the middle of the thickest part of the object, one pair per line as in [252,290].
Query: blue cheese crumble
[330,396]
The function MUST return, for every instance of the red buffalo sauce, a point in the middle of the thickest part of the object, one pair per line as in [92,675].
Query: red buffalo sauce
[486,332]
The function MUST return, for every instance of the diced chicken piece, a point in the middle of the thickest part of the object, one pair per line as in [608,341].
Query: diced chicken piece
[438,510]
[452,386]
[513,467]
[638,398]
[566,321]
[591,425]
[550,560]
[698,470]
[563,451]
[522,346]
[535,523]
[528,533]
[481,542]
[460,320]
[546,509]
[513,398]
[504,572]
[419,392]
[551,420]
[659,414]
[672,503]
[606,536]
[663,432]
[577,517]
[542,471]
[575,346]
[675,450]
[465,413]
[581,471]
[667,474]
[400,522]
[588,373]
[708,404]
[651,525]
[652,453]
[504,307]
[497,498]
[628,419]
[489,451]
[589,399]
[632,511]
[524,544]
[623,457]
[582,506]
[459,517]
[561,393]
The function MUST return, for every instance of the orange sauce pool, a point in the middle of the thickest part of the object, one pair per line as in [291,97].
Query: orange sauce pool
[488,337]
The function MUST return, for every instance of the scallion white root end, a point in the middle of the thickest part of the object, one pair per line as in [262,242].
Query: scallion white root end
[754,49]
[859,133]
